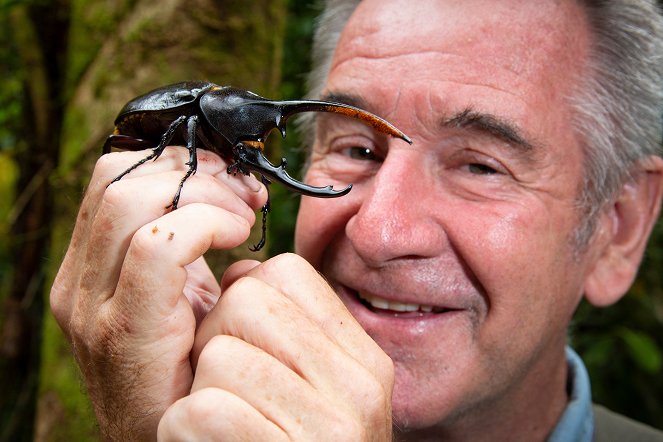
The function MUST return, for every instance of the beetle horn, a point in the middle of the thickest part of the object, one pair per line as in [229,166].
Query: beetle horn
[289,108]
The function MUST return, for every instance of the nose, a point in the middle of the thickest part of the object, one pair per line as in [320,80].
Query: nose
[396,219]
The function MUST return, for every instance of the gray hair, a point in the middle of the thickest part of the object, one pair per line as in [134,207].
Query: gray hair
[618,104]
[330,24]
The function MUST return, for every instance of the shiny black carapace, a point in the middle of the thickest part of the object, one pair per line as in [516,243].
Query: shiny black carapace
[231,122]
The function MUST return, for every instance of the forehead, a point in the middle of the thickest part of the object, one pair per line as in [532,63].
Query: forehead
[520,60]
[510,34]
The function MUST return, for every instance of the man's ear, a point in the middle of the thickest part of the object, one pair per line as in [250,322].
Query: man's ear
[622,234]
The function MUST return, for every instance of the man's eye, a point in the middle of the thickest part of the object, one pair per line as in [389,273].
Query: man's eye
[362,153]
[481,169]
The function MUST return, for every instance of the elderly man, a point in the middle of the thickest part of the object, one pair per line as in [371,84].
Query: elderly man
[450,272]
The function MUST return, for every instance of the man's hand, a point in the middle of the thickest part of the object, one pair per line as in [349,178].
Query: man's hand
[133,285]
[280,358]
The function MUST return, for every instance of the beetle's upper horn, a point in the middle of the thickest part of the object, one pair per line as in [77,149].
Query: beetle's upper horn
[289,108]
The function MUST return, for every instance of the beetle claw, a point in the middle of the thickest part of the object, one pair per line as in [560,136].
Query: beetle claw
[252,159]
[265,210]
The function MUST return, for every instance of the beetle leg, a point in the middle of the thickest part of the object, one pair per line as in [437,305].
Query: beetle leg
[265,210]
[191,126]
[168,135]
[156,152]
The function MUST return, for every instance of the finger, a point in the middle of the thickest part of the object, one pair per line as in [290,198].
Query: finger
[236,271]
[120,215]
[163,185]
[201,289]
[153,274]
[304,286]
[212,414]
[171,163]
[275,391]
[255,312]
[174,158]
[65,288]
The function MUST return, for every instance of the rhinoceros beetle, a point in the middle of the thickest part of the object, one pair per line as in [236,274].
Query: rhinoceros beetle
[230,122]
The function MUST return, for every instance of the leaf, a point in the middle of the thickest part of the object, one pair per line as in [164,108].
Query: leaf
[643,350]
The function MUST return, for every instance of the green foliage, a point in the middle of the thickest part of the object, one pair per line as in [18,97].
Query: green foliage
[62,394]
[295,67]
[644,352]
[622,345]
[8,172]
[10,113]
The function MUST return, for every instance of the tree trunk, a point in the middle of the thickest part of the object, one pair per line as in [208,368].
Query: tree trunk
[40,33]
[81,61]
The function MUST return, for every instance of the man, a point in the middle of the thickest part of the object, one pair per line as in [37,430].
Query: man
[451,271]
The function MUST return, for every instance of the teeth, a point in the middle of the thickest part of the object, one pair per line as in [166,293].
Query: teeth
[384,304]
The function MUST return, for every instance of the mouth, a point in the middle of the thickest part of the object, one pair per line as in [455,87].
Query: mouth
[396,308]
[398,321]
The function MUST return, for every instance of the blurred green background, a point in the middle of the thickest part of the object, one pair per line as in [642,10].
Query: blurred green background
[66,68]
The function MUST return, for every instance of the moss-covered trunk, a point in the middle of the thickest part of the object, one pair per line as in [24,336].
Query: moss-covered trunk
[80,60]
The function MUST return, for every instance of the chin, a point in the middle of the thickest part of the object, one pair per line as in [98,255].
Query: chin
[413,404]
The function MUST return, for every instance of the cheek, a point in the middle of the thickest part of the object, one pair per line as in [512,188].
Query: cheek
[523,260]
[306,228]
[319,221]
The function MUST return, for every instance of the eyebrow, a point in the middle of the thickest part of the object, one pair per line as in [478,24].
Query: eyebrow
[468,118]
[489,125]
[351,99]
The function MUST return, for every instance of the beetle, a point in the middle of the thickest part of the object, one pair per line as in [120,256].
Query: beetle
[231,122]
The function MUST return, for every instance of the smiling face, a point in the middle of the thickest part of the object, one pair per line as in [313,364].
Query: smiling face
[456,253]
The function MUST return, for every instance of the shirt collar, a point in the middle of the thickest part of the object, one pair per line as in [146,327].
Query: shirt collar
[577,421]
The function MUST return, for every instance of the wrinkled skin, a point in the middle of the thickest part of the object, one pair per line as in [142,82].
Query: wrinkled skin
[467,219]
[474,221]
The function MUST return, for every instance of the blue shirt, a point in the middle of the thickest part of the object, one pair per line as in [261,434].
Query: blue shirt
[577,421]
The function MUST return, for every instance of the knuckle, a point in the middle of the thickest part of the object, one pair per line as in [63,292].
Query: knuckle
[291,259]
[58,309]
[201,409]
[284,264]
[206,410]
[217,345]
[114,195]
[144,243]
[58,304]
[236,293]
[108,166]
[178,416]
[106,163]
[104,337]
[248,299]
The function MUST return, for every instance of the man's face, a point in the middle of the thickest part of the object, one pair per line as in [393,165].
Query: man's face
[455,253]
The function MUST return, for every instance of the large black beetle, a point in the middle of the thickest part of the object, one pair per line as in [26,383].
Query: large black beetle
[231,122]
